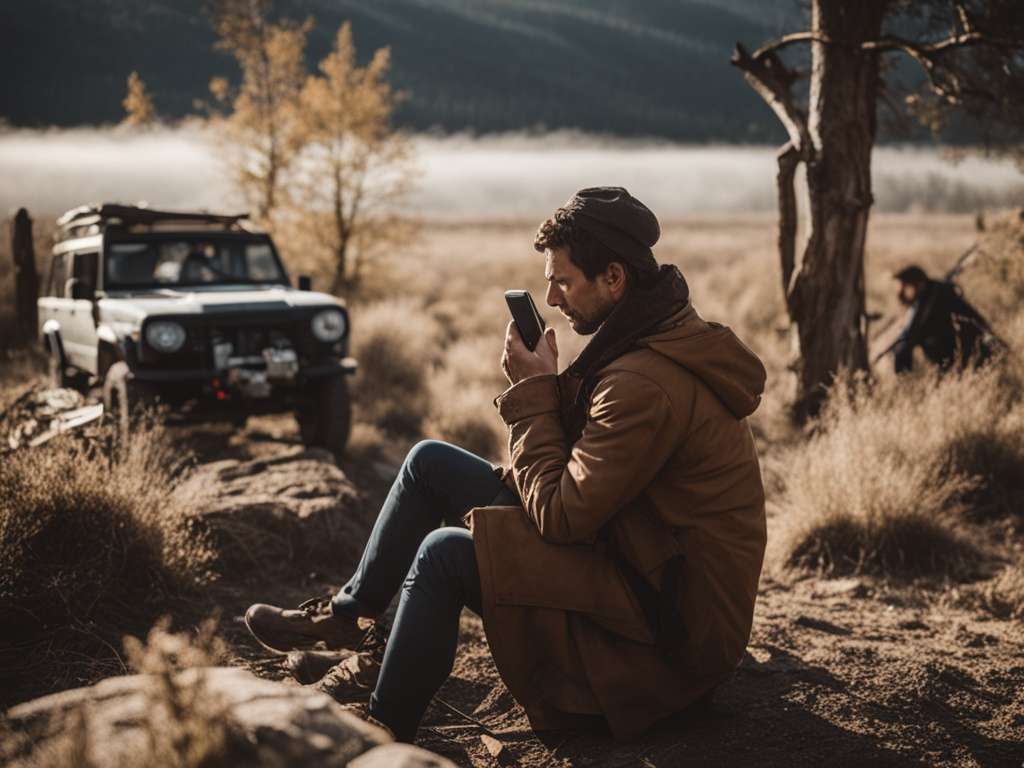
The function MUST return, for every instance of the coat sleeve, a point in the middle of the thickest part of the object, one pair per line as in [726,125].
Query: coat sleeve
[570,491]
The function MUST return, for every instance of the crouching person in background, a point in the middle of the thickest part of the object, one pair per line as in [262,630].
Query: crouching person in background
[615,562]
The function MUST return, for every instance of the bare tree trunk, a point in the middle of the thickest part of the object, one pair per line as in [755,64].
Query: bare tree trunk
[340,282]
[826,295]
[341,233]
[26,282]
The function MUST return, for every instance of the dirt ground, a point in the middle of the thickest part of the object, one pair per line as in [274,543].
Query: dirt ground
[844,672]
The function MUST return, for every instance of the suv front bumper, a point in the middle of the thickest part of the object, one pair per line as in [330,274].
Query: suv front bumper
[346,366]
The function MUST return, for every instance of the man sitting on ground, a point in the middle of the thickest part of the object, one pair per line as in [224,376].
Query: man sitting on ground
[615,563]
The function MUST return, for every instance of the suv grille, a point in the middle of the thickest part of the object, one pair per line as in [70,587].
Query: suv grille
[247,333]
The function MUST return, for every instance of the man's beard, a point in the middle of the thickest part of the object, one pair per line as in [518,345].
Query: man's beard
[583,326]
[587,326]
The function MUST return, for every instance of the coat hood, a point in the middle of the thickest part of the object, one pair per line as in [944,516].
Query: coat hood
[715,355]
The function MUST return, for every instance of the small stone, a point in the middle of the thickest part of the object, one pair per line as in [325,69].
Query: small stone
[492,745]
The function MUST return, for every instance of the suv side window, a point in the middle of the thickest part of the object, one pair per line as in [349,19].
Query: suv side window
[58,275]
[85,271]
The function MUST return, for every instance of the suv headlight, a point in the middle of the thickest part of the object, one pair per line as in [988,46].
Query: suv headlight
[329,325]
[165,336]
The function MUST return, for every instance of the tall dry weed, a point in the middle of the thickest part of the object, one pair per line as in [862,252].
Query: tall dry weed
[186,725]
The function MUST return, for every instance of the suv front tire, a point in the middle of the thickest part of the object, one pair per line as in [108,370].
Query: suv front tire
[325,414]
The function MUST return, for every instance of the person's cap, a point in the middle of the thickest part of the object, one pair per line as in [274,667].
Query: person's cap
[618,221]
[911,274]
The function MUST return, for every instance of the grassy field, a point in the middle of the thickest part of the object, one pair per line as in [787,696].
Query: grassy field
[912,482]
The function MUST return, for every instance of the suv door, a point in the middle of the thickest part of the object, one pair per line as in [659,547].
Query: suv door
[53,305]
[79,334]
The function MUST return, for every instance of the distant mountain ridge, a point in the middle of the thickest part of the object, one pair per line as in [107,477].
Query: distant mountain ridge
[642,68]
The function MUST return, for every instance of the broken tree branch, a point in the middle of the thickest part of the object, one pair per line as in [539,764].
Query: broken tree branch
[772,81]
[788,159]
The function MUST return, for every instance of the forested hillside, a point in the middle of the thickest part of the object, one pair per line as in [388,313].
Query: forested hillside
[655,68]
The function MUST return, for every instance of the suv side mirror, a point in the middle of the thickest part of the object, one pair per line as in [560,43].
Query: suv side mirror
[305,283]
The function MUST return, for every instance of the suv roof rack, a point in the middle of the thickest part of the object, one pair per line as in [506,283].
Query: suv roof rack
[93,218]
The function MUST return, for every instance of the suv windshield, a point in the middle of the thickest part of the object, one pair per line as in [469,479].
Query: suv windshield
[169,262]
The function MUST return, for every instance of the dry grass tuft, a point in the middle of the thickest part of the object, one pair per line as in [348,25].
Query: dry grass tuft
[90,546]
[882,485]
[462,394]
[397,345]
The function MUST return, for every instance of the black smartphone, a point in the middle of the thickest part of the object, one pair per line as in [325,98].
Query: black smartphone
[528,320]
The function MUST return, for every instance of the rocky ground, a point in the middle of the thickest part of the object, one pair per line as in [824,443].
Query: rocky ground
[848,672]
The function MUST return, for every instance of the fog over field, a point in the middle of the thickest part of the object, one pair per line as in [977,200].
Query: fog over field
[462,177]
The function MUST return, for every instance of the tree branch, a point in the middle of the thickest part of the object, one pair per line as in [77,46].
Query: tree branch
[928,50]
[928,55]
[785,41]
[772,81]
[961,14]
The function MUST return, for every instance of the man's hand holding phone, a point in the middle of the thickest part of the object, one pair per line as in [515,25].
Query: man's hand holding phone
[520,363]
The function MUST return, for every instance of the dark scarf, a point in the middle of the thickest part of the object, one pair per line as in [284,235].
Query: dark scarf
[640,311]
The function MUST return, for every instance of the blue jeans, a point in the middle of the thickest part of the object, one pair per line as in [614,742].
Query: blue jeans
[434,566]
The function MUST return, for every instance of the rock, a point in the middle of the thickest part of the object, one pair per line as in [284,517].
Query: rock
[400,756]
[286,508]
[269,723]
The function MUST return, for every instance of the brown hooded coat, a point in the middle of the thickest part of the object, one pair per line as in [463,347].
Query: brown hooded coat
[666,465]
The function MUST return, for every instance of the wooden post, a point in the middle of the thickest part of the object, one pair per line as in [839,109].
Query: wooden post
[26,282]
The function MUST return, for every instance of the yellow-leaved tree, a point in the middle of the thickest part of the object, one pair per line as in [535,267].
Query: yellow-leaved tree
[137,103]
[355,167]
[257,127]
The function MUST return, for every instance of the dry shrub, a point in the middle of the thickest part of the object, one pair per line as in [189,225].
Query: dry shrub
[878,487]
[397,345]
[90,547]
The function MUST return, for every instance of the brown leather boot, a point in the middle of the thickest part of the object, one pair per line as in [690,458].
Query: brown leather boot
[308,667]
[355,677]
[282,630]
